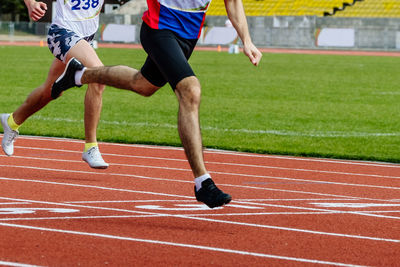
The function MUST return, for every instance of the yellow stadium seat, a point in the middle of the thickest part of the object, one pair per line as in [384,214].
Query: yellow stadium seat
[365,8]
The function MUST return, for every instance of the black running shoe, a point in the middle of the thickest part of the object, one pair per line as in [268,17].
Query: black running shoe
[67,79]
[211,195]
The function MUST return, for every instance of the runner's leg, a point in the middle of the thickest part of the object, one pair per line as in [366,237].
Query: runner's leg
[39,97]
[188,92]
[85,53]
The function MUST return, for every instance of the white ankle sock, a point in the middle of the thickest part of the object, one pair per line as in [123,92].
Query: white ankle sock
[200,179]
[78,76]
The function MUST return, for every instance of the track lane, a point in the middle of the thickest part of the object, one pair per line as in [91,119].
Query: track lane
[137,199]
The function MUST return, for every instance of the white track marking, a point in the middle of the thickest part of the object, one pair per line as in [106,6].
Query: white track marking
[273,227]
[13,203]
[377,215]
[217,151]
[91,207]
[320,160]
[157,215]
[212,172]
[153,193]
[16,264]
[79,217]
[165,243]
[182,181]
[300,180]
[127,201]
[96,187]
[173,200]
[315,210]
[362,213]
[328,134]
[297,199]
[18,211]
[383,211]
[188,170]
[302,230]
[114,164]
[353,205]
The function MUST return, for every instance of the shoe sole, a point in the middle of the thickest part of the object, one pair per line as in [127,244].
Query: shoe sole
[226,201]
[222,203]
[96,167]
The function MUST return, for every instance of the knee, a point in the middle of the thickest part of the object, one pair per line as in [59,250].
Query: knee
[190,94]
[194,96]
[144,93]
[96,88]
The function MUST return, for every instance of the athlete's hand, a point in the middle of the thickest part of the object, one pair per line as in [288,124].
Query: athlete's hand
[252,53]
[36,9]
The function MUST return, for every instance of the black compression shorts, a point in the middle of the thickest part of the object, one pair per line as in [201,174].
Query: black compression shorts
[167,56]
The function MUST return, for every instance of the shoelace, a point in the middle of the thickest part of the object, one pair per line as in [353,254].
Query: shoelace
[12,136]
[94,154]
[213,189]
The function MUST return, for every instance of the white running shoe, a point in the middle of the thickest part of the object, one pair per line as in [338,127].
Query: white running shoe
[9,136]
[94,158]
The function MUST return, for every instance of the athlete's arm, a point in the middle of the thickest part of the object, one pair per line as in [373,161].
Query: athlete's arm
[236,15]
[36,10]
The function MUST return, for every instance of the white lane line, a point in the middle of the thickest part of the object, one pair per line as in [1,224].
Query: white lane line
[157,215]
[308,159]
[301,230]
[377,215]
[175,200]
[225,152]
[174,244]
[273,227]
[189,197]
[297,199]
[96,187]
[182,181]
[14,203]
[362,213]
[16,264]
[91,207]
[213,172]
[80,217]
[321,134]
[208,162]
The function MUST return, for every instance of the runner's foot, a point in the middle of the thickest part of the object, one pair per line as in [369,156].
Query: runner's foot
[211,195]
[9,136]
[67,79]
[94,159]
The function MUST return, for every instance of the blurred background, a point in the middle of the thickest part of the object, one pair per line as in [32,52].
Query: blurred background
[308,24]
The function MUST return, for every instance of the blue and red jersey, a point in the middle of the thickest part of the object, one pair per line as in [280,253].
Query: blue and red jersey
[184,17]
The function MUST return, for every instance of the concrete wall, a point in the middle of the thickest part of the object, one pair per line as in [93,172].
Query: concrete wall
[302,32]
[288,32]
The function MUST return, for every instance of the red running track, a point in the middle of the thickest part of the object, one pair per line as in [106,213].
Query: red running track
[56,211]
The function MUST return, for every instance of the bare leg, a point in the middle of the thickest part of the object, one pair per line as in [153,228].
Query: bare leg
[188,92]
[39,97]
[93,99]
[122,77]
[93,105]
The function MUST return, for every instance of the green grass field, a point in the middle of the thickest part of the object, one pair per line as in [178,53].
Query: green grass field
[311,105]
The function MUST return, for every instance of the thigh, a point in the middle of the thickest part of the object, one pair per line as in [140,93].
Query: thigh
[167,56]
[64,44]
[56,69]
[85,53]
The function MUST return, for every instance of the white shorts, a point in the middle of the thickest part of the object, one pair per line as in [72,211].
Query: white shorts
[61,40]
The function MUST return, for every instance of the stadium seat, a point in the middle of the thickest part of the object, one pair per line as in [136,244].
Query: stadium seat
[337,8]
